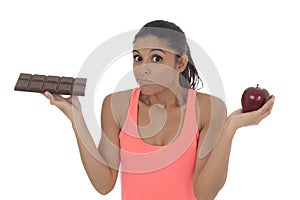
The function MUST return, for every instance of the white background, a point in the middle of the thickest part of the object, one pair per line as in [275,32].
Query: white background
[249,42]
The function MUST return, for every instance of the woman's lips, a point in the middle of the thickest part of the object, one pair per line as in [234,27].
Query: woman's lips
[144,82]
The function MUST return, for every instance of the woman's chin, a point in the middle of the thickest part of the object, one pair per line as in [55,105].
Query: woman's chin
[151,89]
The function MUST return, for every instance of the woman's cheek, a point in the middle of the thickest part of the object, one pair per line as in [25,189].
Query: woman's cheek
[160,74]
[164,75]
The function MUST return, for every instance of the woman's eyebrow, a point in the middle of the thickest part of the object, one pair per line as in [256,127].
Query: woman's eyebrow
[159,50]
[135,51]
[150,50]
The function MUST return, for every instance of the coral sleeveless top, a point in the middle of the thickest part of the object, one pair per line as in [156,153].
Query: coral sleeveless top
[151,172]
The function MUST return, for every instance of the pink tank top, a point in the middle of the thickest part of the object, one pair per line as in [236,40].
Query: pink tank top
[151,172]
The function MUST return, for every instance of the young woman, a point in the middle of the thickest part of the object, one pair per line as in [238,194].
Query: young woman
[171,141]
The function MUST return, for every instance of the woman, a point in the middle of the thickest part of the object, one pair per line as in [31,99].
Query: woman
[172,142]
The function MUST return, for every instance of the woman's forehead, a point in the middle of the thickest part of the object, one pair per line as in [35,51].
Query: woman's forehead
[151,42]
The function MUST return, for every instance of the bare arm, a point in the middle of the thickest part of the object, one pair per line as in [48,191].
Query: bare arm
[211,171]
[101,167]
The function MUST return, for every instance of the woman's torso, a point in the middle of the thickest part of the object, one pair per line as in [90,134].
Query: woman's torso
[161,165]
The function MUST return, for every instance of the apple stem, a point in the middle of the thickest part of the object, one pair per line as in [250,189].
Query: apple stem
[257,85]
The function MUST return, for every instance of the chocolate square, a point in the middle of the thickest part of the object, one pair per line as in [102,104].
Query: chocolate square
[68,80]
[64,88]
[50,87]
[52,79]
[78,90]
[25,76]
[35,86]
[22,85]
[38,77]
[80,81]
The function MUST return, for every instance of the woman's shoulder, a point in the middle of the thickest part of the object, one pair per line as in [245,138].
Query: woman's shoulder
[124,94]
[208,103]
[208,98]
[211,110]
[119,96]
[118,103]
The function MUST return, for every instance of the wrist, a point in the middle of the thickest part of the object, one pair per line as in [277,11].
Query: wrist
[77,117]
[230,126]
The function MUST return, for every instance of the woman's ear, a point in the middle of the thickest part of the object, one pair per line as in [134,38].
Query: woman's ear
[182,63]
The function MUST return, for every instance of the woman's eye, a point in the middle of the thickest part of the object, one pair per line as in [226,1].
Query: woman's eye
[137,58]
[156,58]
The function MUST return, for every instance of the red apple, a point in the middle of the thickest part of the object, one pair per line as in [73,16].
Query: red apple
[254,98]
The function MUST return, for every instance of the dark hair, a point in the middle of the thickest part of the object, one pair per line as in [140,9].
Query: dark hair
[189,78]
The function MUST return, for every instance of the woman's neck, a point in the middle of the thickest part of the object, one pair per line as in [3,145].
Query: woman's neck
[166,97]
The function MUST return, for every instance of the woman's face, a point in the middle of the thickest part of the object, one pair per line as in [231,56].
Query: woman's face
[155,65]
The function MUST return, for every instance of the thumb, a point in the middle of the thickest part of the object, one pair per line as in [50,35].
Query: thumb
[49,96]
[53,101]
[238,111]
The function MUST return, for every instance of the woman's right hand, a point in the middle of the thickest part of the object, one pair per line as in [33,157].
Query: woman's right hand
[69,106]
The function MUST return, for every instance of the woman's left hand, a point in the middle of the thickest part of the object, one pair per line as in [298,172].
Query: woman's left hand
[238,119]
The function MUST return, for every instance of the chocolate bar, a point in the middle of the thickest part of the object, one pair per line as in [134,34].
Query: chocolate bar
[54,84]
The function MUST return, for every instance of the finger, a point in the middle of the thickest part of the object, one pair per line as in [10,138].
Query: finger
[270,107]
[266,109]
[269,104]
[70,99]
[58,97]
[50,97]
[54,99]
[46,94]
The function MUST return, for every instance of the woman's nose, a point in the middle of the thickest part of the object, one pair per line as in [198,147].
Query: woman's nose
[141,71]
[145,70]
